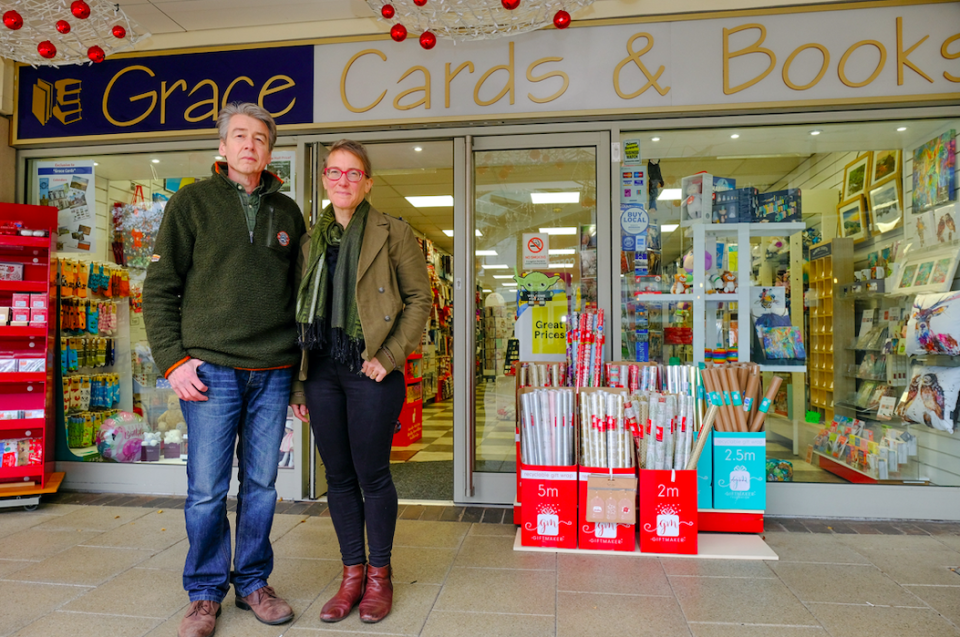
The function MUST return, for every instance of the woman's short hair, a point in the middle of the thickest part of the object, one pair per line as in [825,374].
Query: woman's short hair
[250,110]
[354,148]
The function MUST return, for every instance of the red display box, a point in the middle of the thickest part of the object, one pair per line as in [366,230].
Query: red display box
[668,511]
[602,536]
[548,517]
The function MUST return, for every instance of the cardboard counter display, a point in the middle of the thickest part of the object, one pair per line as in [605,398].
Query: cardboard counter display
[739,469]
[605,536]
[668,511]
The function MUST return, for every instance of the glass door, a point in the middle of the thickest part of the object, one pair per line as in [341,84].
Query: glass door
[537,247]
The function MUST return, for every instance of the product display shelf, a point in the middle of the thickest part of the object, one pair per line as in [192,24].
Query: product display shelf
[831,323]
[28,391]
[410,423]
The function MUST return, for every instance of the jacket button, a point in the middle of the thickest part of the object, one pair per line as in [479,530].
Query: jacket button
[381,290]
[386,318]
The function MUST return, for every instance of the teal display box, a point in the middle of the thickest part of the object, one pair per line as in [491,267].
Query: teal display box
[739,478]
[705,475]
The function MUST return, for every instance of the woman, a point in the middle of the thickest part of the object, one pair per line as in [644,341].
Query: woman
[363,303]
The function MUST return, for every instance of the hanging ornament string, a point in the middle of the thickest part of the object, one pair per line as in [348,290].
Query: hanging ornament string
[59,32]
[459,20]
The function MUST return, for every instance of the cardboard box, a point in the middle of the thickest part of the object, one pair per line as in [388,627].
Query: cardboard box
[21,300]
[20,315]
[38,315]
[11,272]
[38,301]
[668,511]
[548,514]
[605,536]
[31,365]
[705,474]
[739,470]
[778,207]
[735,206]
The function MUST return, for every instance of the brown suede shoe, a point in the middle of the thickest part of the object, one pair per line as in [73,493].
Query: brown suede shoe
[378,598]
[266,606]
[200,620]
[351,590]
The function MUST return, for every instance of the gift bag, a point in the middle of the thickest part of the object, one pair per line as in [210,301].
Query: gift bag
[668,511]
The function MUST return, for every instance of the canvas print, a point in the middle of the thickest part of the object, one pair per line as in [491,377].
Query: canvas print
[934,325]
[908,273]
[931,397]
[944,225]
[885,205]
[885,164]
[934,172]
[782,342]
[941,268]
[856,176]
[923,228]
[852,223]
[923,273]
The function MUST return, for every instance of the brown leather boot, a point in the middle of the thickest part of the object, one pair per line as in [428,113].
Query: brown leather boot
[200,620]
[378,598]
[266,606]
[351,590]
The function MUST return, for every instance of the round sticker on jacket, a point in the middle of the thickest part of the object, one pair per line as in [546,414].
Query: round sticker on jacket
[283,238]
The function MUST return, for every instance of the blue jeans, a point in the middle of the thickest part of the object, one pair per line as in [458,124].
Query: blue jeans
[246,408]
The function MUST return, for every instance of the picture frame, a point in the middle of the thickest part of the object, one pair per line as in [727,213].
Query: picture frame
[927,271]
[886,164]
[856,176]
[886,204]
[852,216]
[934,172]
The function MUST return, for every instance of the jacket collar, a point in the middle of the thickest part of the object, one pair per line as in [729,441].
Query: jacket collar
[375,235]
[269,182]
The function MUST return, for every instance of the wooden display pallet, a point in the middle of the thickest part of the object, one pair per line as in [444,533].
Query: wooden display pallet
[29,497]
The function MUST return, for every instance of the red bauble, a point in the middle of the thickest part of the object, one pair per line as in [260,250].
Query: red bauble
[561,20]
[80,9]
[388,12]
[96,54]
[398,32]
[510,5]
[63,26]
[419,3]
[119,32]
[12,20]
[46,49]
[428,40]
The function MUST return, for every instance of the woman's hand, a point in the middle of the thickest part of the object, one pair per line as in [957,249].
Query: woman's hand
[373,369]
[300,411]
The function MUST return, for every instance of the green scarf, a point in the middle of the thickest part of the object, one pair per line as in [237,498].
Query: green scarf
[342,323]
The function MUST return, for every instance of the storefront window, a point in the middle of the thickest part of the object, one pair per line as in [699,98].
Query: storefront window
[847,223]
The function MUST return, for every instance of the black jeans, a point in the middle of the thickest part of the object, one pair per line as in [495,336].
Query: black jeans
[353,420]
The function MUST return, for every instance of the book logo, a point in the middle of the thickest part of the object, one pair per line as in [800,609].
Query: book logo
[60,99]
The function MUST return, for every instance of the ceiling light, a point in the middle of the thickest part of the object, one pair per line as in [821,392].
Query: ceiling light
[901,129]
[219,157]
[440,201]
[486,253]
[449,233]
[815,132]
[509,285]
[417,148]
[503,276]
[324,203]
[654,139]
[669,227]
[735,136]
[555,197]
[494,266]
[156,161]
[560,265]
[559,251]
[487,290]
[559,230]
[670,194]
[95,164]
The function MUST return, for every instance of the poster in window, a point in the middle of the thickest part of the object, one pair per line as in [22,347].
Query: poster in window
[70,187]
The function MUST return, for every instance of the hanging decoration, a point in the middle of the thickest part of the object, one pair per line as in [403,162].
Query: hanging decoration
[460,20]
[59,32]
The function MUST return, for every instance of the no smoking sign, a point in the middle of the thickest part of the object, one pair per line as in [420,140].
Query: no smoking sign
[536,251]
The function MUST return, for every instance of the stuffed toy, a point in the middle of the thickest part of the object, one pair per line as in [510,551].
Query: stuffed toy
[172,418]
[729,281]
[680,285]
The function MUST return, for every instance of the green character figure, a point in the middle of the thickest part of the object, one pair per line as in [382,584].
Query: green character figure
[534,287]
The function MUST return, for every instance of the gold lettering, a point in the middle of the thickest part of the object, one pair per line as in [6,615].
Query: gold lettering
[268,90]
[226,93]
[343,82]
[214,101]
[842,67]
[448,77]
[798,51]
[950,56]
[508,87]
[539,78]
[164,94]
[634,56]
[150,94]
[903,60]
[753,48]
[423,101]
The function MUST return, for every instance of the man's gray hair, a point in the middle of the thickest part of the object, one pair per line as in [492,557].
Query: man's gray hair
[250,110]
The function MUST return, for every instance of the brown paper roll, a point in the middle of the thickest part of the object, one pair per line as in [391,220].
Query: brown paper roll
[753,388]
[713,385]
[770,395]
[741,418]
[702,437]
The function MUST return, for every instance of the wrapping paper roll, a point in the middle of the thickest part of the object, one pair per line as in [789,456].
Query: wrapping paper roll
[766,404]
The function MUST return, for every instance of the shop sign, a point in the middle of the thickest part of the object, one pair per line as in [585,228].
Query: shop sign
[164,93]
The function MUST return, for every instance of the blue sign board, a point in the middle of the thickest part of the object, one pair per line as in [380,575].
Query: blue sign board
[163,93]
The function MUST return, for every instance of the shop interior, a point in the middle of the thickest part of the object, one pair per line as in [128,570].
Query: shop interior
[844,370]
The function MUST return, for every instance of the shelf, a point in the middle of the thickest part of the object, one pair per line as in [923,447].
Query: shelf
[27,242]
[22,423]
[791,369]
[757,229]
[20,472]
[23,377]
[19,330]
[662,298]
[23,286]
[722,298]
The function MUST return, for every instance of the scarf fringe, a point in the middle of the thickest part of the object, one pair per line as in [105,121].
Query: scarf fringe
[343,349]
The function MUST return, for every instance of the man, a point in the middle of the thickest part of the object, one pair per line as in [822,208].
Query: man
[218,303]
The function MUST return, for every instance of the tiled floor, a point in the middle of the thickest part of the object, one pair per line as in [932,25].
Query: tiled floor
[89,565]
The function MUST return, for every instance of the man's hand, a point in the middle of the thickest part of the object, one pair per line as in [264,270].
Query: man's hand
[185,382]
[300,411]
[373,369]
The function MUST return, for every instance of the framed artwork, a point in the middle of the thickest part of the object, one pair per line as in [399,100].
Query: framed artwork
[944,225]
[856,176]
[935,172]
[886,204]
[853,219]
[886,163]
[928,271]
